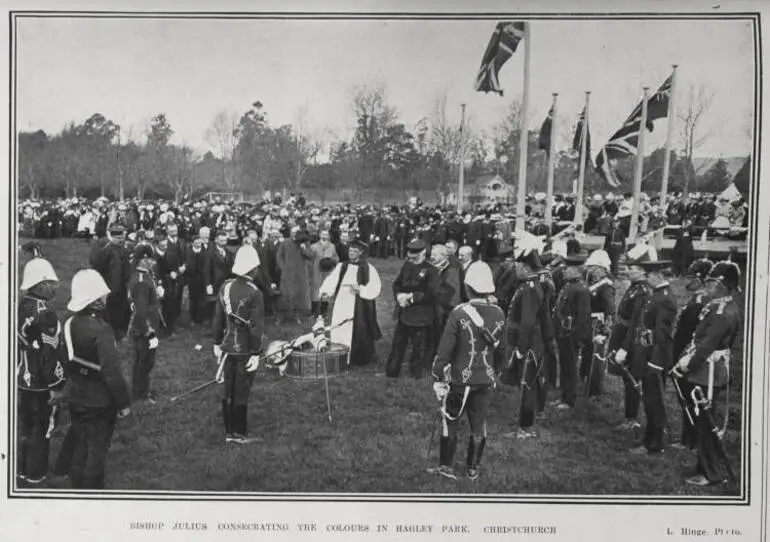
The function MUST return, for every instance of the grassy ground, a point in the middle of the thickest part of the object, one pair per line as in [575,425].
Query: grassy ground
[377,442]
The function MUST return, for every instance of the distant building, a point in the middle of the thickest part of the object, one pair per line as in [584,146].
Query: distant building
[489,189]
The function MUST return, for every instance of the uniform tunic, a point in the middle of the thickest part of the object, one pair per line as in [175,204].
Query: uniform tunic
[657,328]
[145,323]
[529,331]
[94,394]
[572,321]
[630,311]
[717,330]
[237,327]
[602,290]
[472,365]
[39,370]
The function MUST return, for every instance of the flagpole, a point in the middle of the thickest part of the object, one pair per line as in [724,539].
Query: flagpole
[582,165]
[667,157]
[634,229]
[461,188]
[521,219]
[551,161]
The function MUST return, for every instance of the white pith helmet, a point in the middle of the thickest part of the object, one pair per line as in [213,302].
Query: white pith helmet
[246,260]
[87,286]
[36,271]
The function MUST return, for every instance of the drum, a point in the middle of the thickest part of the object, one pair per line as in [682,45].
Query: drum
[309,364]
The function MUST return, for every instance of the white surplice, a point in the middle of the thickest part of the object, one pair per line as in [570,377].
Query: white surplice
[345,303]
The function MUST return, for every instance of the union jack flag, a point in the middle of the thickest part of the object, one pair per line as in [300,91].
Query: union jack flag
[625,141]
[505,39]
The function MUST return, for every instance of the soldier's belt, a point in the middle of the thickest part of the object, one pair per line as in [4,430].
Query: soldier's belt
[85,363]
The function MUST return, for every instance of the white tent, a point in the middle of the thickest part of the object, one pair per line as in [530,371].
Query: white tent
[730,194]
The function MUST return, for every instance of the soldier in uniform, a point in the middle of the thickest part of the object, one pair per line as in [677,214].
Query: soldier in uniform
[416,290]
[653,334]
[96,392]
[529,335]
[40,370]
[470,358]
[615,244]
[623,348]
[687,323]
[572,323]
[705,364]
[602,289]
[144,326]
[238,326]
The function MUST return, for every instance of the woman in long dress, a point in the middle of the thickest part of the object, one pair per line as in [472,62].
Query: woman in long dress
[353,288]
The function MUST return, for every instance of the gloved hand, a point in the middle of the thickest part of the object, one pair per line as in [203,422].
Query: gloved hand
[599,339]
[154,343]
[253,364]
[441,389]
[682,366]
[124,412]
[401,299]
[182,269]
[620,356]
[518,354]
[676,372]
[217,352]
[173,275]
[209,290]
[160,291]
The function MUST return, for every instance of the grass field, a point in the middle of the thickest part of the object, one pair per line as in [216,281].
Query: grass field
[377,441]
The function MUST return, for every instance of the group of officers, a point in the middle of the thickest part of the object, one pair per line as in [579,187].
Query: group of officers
[534,326]
[546,317]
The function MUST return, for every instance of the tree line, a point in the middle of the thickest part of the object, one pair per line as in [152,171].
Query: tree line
[382,158]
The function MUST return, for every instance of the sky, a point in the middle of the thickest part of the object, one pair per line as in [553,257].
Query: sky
[130,70]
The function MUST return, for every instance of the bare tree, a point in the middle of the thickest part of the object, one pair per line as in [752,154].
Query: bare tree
[222,135]
[308,145]
[445,136]
[694,108]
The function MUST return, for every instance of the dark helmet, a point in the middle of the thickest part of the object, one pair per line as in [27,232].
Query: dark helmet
[728,273]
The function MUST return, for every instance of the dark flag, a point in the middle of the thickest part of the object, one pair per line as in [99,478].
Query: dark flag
[503,43]
[625,141]
[544,140]
[577,141]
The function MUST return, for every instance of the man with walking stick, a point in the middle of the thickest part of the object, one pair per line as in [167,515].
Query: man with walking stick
[705,365]
[237,328]
[462,374]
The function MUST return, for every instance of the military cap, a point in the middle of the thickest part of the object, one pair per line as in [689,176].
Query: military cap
[359,244]
[418,245]
[117,229]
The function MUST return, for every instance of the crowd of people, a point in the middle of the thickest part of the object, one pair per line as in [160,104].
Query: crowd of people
[545,317]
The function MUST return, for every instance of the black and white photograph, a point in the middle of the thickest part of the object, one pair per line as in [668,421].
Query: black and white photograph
[363,257]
